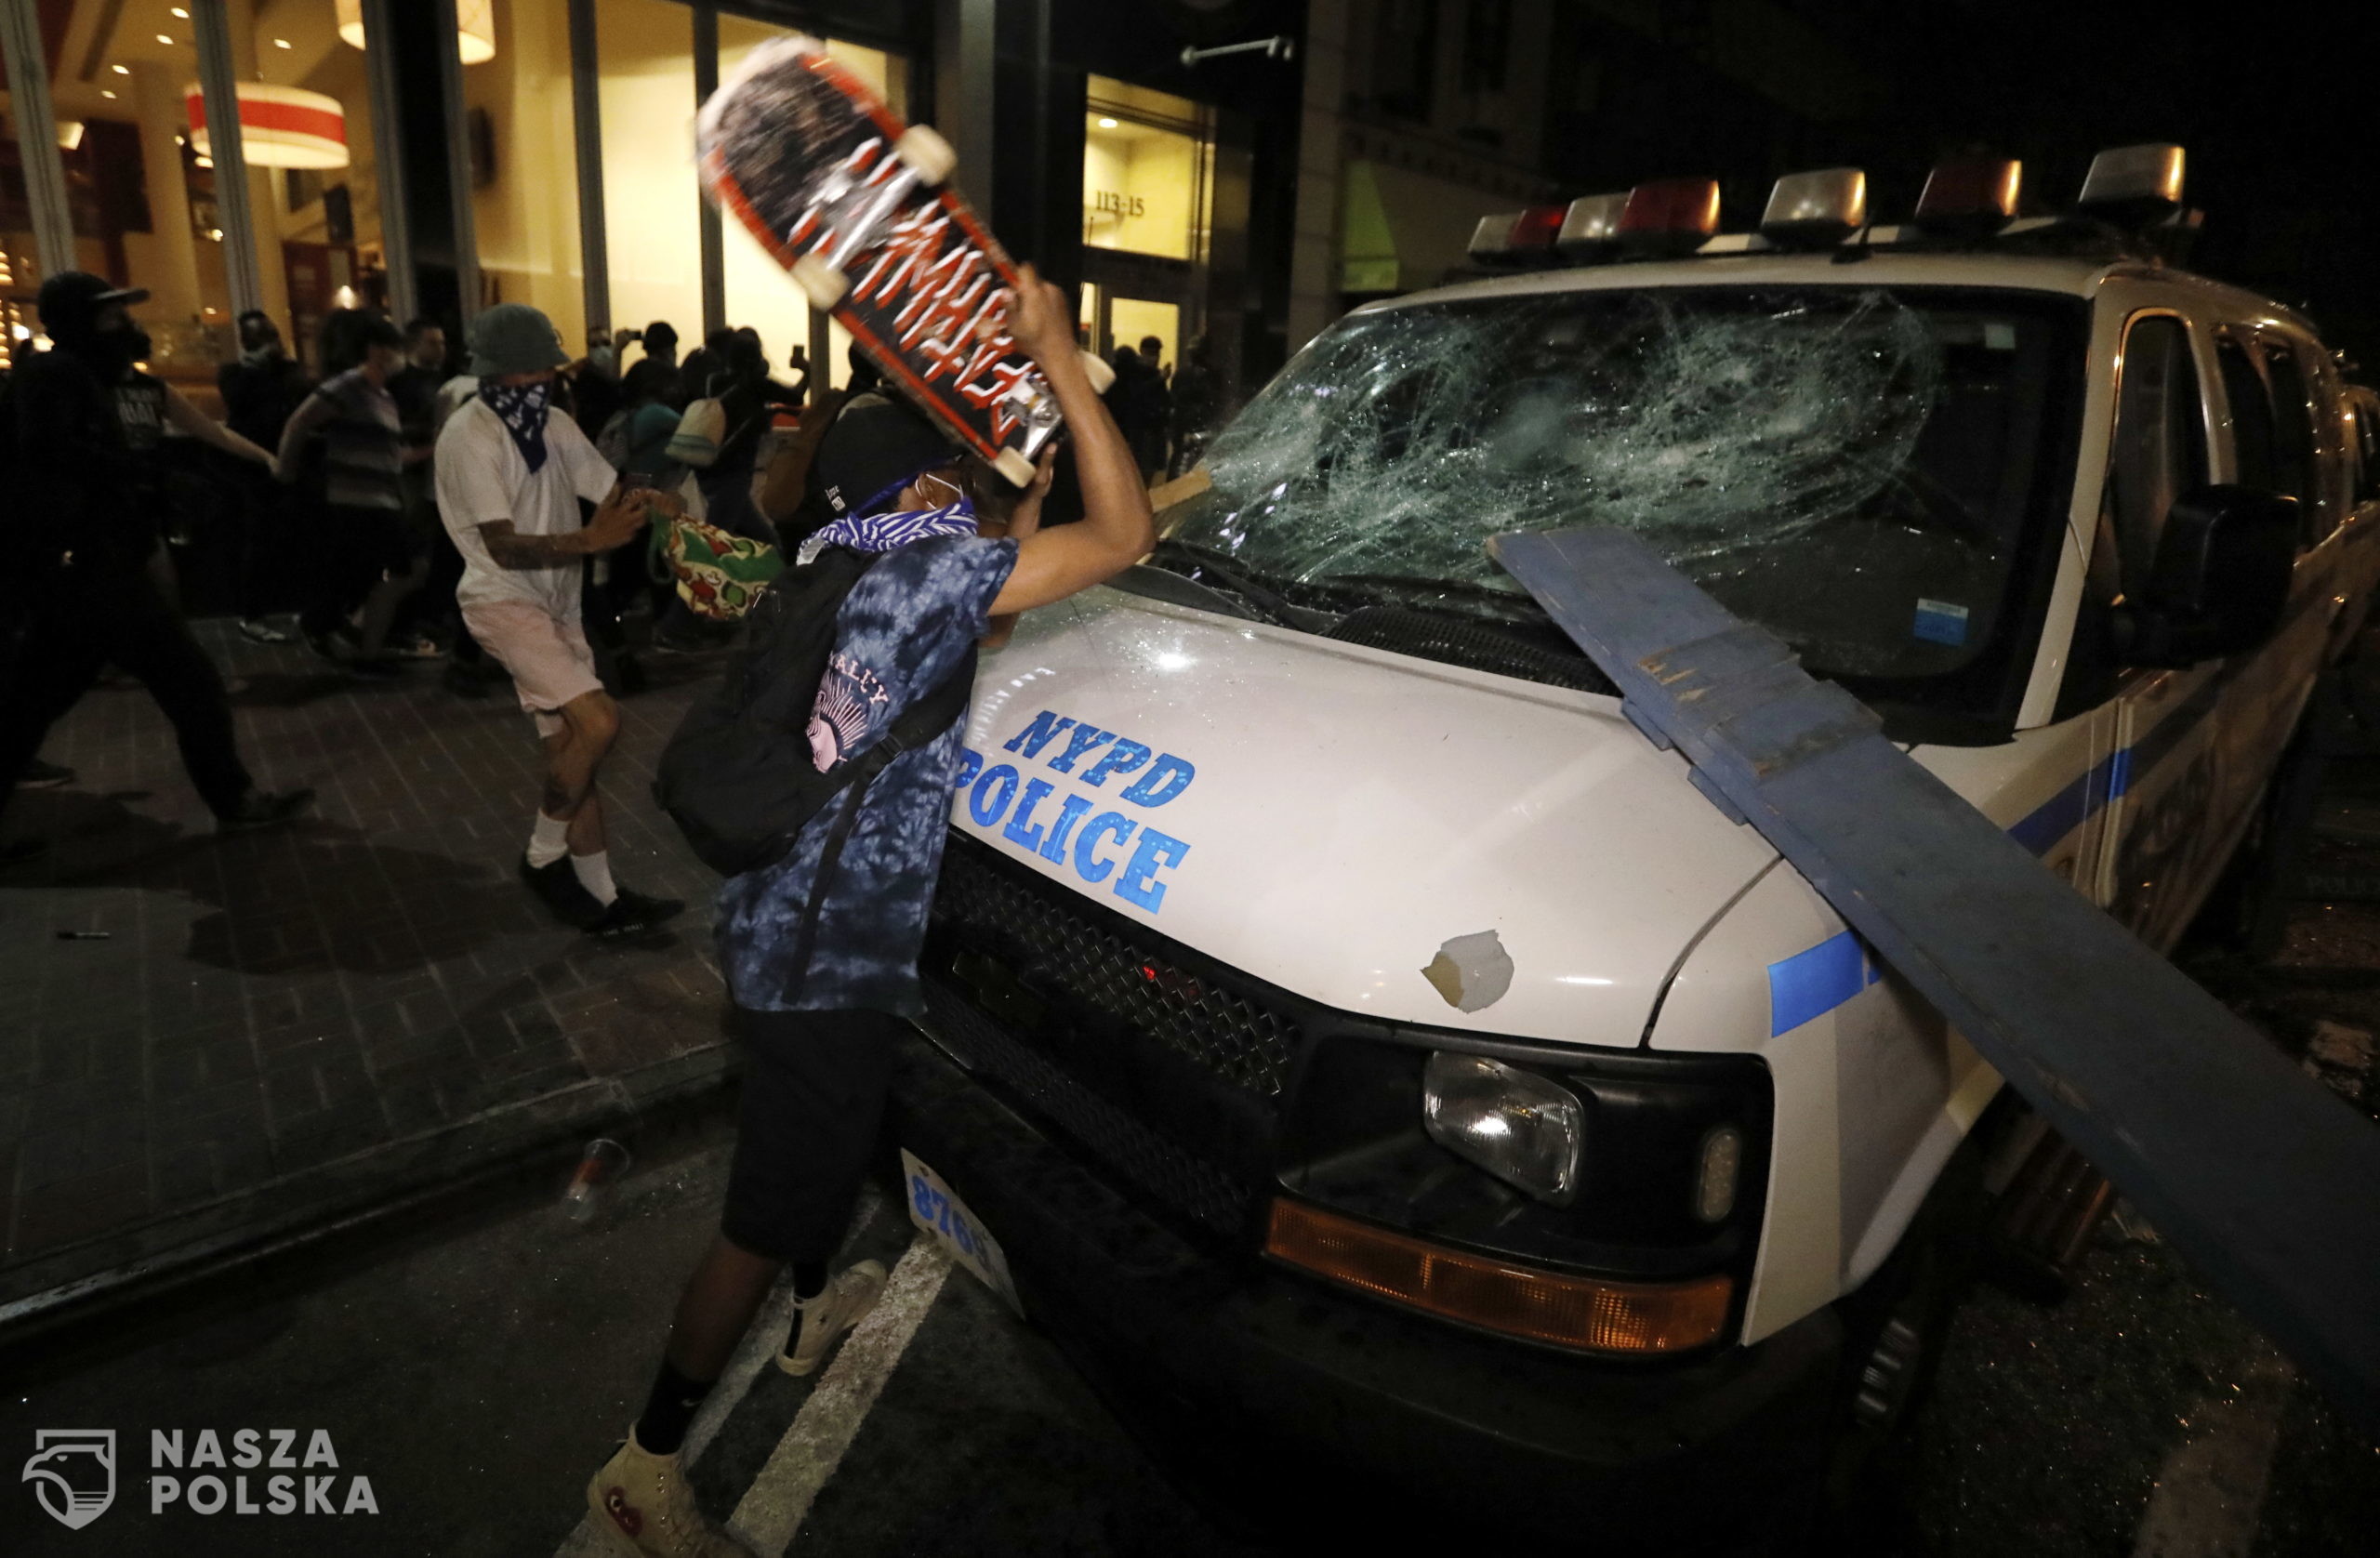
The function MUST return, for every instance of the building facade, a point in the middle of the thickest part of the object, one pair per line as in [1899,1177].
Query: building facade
[438,156]
[1231,172]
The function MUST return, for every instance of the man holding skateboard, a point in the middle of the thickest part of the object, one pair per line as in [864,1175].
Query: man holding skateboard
[821,962]
[509,479]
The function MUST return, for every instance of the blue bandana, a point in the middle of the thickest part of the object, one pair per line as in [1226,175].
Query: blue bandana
[522,408]
[882,533]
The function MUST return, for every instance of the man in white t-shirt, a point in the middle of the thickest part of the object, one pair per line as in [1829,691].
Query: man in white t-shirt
[509,478]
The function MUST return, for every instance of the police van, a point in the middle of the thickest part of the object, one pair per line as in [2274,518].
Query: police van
[1357,1041]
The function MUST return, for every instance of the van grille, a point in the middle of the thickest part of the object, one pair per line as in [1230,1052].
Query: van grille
[1050,936]
[1179,1178]
[1152,1058]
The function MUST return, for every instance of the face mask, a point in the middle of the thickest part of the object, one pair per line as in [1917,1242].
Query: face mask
[124,345]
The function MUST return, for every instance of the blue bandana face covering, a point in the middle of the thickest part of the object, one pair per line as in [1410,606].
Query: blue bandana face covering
[882,533]
[522,407]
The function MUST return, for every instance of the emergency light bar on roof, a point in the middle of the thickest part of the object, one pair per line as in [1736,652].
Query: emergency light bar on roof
[2129,191]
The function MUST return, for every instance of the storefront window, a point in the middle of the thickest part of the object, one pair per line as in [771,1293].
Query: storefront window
[645,62]
[142,204]
[759,292]
[313,176]
[1148,174]
[525,169]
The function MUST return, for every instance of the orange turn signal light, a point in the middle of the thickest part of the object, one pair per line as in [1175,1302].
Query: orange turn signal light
[1585,1312]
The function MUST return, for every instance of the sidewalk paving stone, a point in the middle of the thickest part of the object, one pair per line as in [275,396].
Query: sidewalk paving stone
[278,1021]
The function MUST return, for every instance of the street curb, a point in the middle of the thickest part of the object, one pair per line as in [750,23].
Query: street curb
[380,1186]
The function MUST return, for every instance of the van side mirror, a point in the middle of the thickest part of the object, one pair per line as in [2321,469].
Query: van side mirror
[2220,580]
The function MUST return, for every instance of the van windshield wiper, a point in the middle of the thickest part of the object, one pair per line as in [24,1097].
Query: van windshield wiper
[1278,609]
[1512,601]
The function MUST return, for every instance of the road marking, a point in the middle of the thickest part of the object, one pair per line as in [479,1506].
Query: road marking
[2211,1490]
[756,1351]
[806,1457]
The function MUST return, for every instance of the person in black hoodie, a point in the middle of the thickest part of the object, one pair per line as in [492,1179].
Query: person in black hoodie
[76,593]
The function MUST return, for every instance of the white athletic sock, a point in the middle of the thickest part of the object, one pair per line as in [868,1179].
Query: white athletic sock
[595,874]
[549,841]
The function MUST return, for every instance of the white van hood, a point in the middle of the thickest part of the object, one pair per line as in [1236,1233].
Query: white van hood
[1327,816]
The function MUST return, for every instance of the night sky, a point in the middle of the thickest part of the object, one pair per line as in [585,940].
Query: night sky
[2273,103]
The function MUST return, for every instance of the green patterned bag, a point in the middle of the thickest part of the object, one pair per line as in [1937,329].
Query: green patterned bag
[718,574]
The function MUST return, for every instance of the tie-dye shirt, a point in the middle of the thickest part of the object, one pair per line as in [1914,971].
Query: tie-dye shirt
[903,627]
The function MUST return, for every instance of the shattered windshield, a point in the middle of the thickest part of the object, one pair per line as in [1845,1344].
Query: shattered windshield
[1853,469]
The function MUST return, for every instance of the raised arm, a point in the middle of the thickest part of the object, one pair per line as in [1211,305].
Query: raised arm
[1116,529]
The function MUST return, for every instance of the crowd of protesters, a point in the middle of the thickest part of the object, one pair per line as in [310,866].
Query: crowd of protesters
[331,487]
[535,471]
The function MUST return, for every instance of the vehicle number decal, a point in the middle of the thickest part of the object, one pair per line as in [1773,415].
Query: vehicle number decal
[938,1211]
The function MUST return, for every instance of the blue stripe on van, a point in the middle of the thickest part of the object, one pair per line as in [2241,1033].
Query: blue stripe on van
[2072,806]
[1814,983]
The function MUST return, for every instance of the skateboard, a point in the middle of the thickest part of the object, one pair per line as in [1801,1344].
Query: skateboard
[858,208]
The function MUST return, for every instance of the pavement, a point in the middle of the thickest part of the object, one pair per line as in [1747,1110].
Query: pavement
[276,1030]
[285,1030]
[475,1374]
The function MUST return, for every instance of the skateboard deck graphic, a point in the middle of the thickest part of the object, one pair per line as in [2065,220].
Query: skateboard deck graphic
[854,203]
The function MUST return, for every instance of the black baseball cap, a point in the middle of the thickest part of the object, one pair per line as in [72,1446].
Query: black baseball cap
[878,446]
[71,297]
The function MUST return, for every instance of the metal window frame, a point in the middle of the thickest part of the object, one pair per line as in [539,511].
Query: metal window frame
[459,161]
[45,166]
[714,252]
[219,83]
[388,150]
[587,133]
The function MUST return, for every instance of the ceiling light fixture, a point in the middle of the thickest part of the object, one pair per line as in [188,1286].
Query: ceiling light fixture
[280,126]
[282,42]
[165,38]
[1107,123]
[121,70]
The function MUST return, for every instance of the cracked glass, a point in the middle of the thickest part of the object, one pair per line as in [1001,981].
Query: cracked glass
[1853,468]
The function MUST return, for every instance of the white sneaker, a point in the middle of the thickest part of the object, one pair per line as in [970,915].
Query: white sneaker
[642,1502]
[845,1304]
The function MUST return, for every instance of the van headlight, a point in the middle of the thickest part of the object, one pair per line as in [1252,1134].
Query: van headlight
[1527,1131]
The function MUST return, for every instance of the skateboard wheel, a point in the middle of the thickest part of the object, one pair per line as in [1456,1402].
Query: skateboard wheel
[824,284]
[1016,468]
[925,153]
[1096,369]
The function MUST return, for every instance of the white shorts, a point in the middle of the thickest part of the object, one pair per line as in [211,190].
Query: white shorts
[548,657]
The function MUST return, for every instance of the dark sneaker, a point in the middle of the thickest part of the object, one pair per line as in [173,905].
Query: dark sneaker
[264,809]
[558,887]
[632,914]
[39,775]
[256,629]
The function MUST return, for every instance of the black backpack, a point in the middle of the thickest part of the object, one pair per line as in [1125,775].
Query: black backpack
[738,778]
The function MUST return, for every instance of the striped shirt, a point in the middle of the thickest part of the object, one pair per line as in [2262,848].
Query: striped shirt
[362,442]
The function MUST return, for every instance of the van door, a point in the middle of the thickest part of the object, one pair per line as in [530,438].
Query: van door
[2198,746]
[2162,772]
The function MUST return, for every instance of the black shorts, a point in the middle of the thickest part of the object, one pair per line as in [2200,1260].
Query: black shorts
[813,1098]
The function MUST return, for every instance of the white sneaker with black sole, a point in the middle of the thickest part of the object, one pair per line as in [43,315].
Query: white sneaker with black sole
[817,1322]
